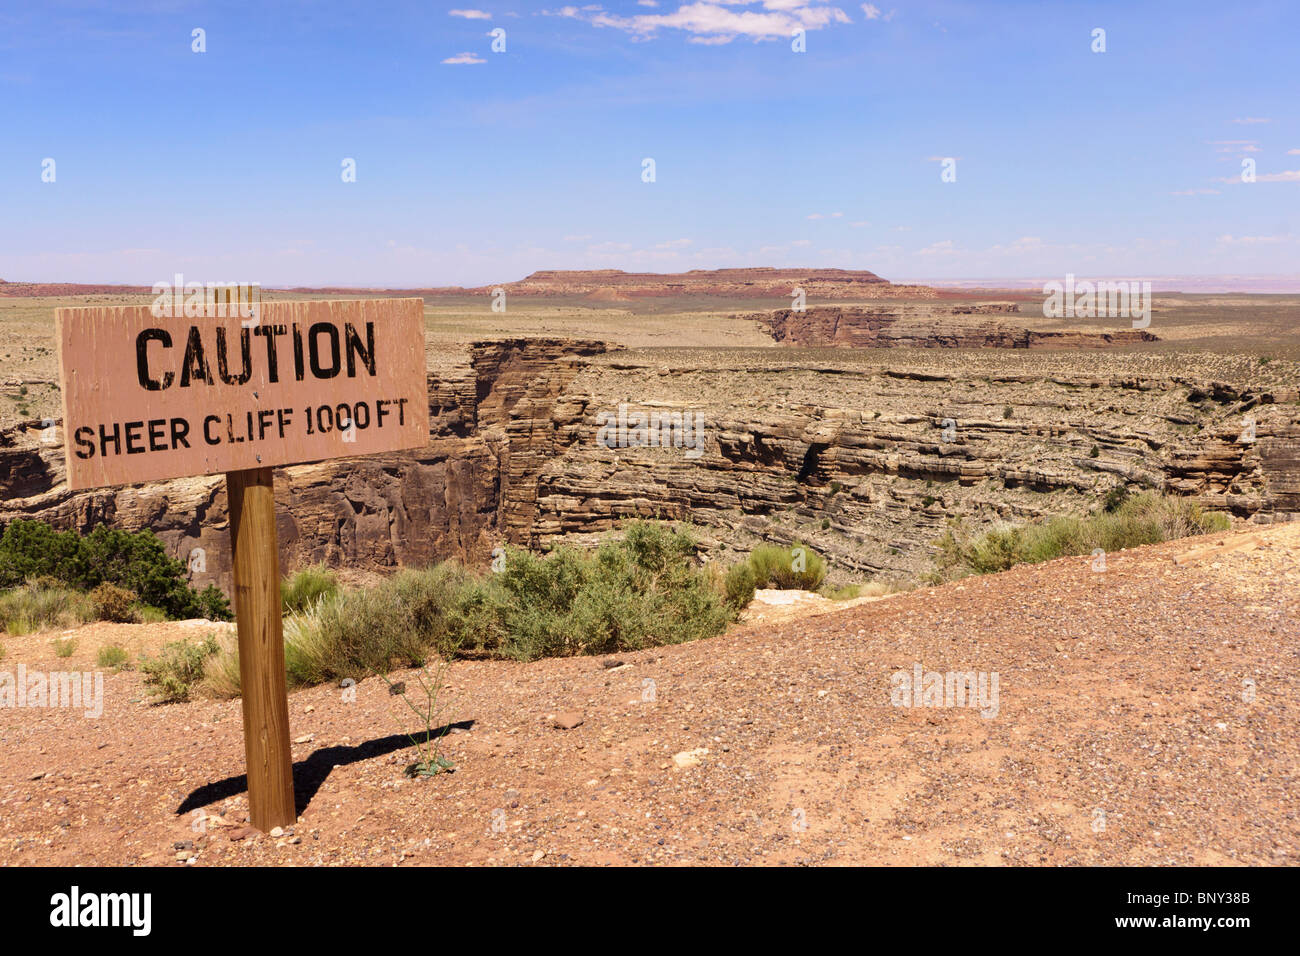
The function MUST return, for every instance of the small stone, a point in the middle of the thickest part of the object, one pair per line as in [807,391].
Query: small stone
[398,688]
[276,832]
[304,739]
[242,833]
[690,758]
[538,854]
[567,720]
[184,845]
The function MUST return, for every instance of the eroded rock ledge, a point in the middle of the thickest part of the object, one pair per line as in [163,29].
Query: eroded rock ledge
[866,459]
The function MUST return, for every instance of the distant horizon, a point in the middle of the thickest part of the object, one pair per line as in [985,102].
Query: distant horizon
[1256,284]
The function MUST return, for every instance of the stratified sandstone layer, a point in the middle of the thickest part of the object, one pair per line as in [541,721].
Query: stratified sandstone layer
[877,329]
[867,456]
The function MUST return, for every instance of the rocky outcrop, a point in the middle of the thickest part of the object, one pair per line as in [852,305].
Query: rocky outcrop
[474,485]
[866,456]
[878,329]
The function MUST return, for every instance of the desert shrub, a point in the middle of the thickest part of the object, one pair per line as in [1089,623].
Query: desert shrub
[221,669]
[3,652]
[307,586]
[797,566]
[136,561]
[38,606]
[112,603]
[64,646]
[642,590]
[740,584]
[1122,522]
[111,655]
[174,674]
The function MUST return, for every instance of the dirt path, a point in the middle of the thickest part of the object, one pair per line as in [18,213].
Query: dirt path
[1127,730]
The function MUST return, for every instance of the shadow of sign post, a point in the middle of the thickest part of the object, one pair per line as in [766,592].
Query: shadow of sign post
[197,391]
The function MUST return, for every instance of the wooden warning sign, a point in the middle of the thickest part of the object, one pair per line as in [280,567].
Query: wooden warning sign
[149,396]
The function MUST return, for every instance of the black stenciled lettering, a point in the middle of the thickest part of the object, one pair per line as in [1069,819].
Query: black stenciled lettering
[246,356]
[195,367]
[313,349]
[147,381]
[355,348]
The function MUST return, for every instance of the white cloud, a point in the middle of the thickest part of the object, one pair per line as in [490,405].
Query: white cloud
[463,58]
[715,22]
[1230,240]
[871,11]
[1252,120]
[470,14]
[943,248]
[859,224]
[1293,152]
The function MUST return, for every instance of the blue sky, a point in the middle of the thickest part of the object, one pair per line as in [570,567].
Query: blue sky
[226,165]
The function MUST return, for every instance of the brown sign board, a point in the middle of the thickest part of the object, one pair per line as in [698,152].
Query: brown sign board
[149,397]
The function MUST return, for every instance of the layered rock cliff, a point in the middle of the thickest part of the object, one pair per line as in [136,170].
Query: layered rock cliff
[867,456]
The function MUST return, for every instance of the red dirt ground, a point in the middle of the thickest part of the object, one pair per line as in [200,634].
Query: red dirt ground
[1127,733]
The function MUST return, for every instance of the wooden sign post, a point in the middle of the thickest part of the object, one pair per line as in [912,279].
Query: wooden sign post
[149,396]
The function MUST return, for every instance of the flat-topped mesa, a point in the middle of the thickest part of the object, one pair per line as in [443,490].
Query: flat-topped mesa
[743,283]
[879,329]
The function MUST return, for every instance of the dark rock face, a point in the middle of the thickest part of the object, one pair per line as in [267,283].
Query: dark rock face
[473,486]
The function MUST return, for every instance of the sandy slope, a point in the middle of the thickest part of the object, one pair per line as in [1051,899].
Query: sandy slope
[1124,734]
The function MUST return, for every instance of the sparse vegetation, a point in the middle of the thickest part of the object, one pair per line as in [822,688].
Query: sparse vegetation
[306,587]
[64,646]
[1122,522]
[135,561]
[111,655]
[174,674]
[42,605]
[797,566]
[112,603]
[643,590]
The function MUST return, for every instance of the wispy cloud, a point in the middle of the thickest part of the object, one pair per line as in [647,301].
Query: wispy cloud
[463,58]
[1285,176]
[1230,240]
[1252,120]
[470,14]
[716,22]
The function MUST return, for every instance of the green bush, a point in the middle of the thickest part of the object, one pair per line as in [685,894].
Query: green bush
[40,606]
[64,646]
[136,561]
[740,584]
[110,655]
[797,566]
[174,674]
[642,590]
[1122,522]
[306,587]
[112,603]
